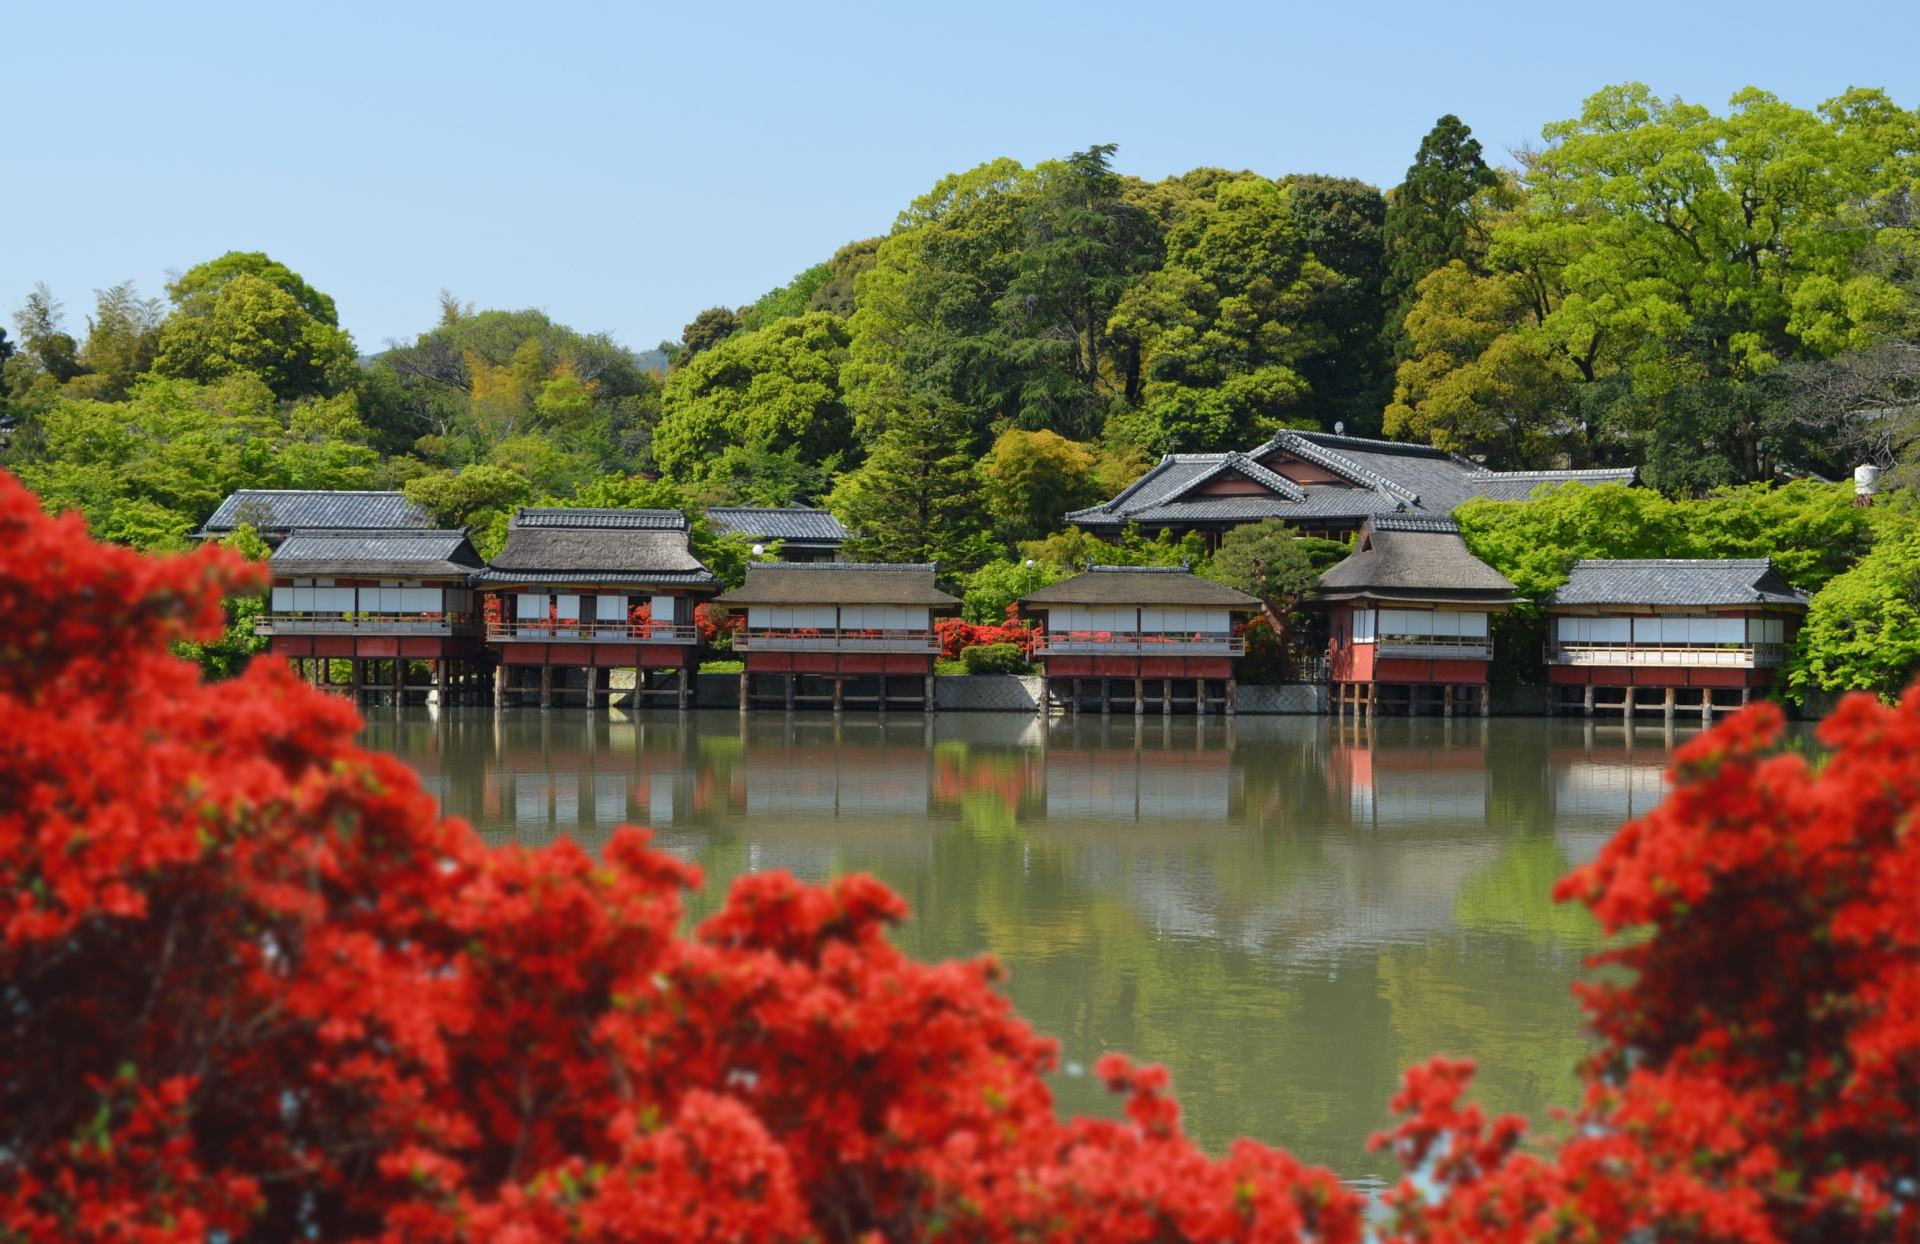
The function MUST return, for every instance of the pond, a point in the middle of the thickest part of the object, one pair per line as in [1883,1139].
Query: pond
[1284,910]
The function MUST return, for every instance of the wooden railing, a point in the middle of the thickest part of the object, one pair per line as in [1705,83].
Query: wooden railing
[827,639]
[1436,647]
[572,630]
[1730,656]
[362,623]
[1139,643]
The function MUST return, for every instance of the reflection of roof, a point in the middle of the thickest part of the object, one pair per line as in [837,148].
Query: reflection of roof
[285,509]
[838,583]
[794,524]
[1139,585]
[1414,559]
[597,546]
[1676,581]
[406,552]
[1370,477]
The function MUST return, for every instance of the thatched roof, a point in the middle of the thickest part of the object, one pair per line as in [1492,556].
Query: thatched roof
[600,547]
[1414,559]
[1676,582]
[838,583]
[1139,585]
[398,554]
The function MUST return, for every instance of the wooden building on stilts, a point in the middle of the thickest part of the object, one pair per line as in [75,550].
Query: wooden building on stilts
[1668,635]
[579,593]
[1138,636]
[838,634]
[379,614]
[1412,610]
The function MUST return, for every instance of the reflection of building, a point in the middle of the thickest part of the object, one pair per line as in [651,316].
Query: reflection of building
[378,600]
[1411,613]
[837,633]
[584,592]
[1379,786]
[1641,635]
[1149,632]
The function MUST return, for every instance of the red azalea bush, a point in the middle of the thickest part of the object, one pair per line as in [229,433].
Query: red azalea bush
[718,625]
[253,985]
[640,619]
[957,634]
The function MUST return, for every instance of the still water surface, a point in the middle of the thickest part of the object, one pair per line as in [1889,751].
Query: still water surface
[1284,910]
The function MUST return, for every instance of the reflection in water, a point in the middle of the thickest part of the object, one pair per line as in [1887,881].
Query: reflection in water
[1285,910]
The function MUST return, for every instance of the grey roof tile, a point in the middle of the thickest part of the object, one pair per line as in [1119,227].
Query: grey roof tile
[600,520]
[404,552]
[1408,559]
[281,510]
[1676,582]
[793,523]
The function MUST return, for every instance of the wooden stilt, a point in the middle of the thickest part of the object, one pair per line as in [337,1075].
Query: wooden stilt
[926,694]
[1139,696]
[440,685]
[683,699]
[1587,701]
[1199,697]
[546,686]
[1666,706]
[839,693]
[500,686]
[746,688]
[1106,696]
[1166,697]
[791,679]
[1446,702]
[1486,700]
[1076,697]
[1233,698]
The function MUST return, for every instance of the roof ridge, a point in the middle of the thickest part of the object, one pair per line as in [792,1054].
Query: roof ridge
[1674,561]
[1558,472]
[1136,569]
[1425,451]
[1354,471]
[926,566]
[325,492]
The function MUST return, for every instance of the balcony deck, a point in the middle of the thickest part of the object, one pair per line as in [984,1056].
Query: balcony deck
[564,631]
[1751,656]
[771,639]
[1137,644]
[365,624]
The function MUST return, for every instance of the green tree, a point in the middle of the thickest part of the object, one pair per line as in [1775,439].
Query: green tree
[1031,479]
[1225,323]
[122,336]
[1863,629]
[1267,560]
[43,337]
[1342,221]
[244,314]
[238,643]
[472,497]
[915,499]
[768,392]
[708,329]
[1430,216]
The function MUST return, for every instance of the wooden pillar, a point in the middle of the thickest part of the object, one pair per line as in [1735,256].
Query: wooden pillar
[1233,698]
[357,668]
[746,690]
[927,703]
[1199,697]
[689,675]
[1586,705]
[440,686]
[1106,696]
[1446,701]
[1666,707]
[1746,696]
[1486,699]
[399,681]
[791,679]
[500,685]
[1626,707]
[546,686]
[1166,697]
[839,692]
[1139,696]
[1076,697]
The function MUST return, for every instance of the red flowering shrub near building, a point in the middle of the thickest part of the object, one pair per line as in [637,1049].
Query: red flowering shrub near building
[956,635]
[718,626]
[251,984]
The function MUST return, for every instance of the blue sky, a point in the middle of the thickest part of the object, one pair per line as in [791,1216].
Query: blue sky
[624,166]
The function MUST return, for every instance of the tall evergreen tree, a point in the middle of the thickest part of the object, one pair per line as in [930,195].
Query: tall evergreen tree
[1429,220]
[916,499]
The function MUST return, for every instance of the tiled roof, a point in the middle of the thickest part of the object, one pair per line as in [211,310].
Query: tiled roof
[406,551]
[601,520]
[1381,477]
[1676,582]
[838,583]
[279,510]
[795,523]
[1139,585]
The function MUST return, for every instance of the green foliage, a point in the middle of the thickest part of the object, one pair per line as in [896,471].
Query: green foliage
[760,416]
[244,314]
[990,589]
[1863,630]
[1032,479]
[915,499]
[995,659]
[472,498]
[228,655]
[1430,218]
[1266,560]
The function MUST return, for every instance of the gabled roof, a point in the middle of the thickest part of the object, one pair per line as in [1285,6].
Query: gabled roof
[1414,559]
[280,510]
[1380,477]
[561,546]
[1139,585]
[793,524]
[1675,581]
[839,583]
[402,553]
